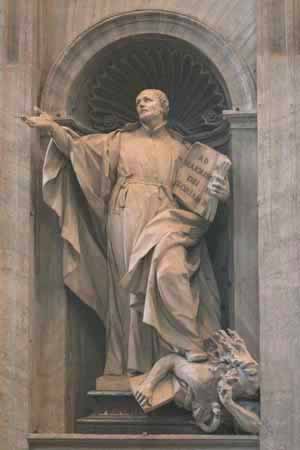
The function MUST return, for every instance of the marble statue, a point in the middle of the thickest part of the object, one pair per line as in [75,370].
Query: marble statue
[131,251]
[228,376]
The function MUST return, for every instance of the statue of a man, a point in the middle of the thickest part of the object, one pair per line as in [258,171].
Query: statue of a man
[130,250]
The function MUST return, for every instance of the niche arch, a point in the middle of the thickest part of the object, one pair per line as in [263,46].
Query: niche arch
[237,76]
[67,91]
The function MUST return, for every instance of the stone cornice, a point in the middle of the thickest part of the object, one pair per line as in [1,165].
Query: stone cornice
[241,119]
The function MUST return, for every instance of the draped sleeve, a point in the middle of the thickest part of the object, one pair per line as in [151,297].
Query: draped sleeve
[78,189]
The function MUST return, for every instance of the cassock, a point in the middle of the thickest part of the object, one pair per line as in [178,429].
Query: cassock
[131,252]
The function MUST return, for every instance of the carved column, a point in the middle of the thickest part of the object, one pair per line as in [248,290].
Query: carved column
[278,68]
[244,305]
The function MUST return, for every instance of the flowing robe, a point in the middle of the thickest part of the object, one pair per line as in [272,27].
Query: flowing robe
[130,251]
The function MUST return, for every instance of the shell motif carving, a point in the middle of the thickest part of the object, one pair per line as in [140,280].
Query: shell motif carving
[196,96]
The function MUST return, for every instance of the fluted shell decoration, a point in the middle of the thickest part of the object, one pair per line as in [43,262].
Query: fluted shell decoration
[196,96]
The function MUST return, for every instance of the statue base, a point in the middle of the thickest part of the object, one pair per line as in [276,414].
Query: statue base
[117,412]
[120,414]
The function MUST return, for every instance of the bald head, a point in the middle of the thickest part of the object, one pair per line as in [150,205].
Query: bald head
[152,102]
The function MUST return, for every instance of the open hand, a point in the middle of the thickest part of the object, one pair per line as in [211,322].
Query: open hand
[41,121]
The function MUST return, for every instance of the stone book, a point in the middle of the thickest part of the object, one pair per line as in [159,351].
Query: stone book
[163,393]
[201,166]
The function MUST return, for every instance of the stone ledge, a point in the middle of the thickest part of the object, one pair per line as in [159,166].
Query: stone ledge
[241,119]
[97,442]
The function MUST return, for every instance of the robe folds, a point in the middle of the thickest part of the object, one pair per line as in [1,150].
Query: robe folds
[130,251]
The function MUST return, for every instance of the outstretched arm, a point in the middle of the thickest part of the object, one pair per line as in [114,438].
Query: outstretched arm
[158,372]
[45,121]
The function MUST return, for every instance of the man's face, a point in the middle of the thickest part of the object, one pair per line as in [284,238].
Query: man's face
[148,106]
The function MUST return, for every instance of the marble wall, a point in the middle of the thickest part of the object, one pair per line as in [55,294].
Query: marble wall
[279,221]
[64,20]
[19,88]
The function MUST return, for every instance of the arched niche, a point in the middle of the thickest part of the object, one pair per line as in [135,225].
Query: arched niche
[67,70]
[102,98]
[78,69]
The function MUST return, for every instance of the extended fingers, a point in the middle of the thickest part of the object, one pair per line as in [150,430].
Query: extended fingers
[237,340]
[145,402]
[218,187]
[218,182]
[142,398]
[218,191]
[28,121]
[139,395]
[221,336]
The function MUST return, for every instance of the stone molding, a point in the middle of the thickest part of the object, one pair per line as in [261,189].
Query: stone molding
[96,442]
[241,119]
[237,76]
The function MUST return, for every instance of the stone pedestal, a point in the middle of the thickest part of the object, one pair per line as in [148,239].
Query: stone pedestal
[119,412]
